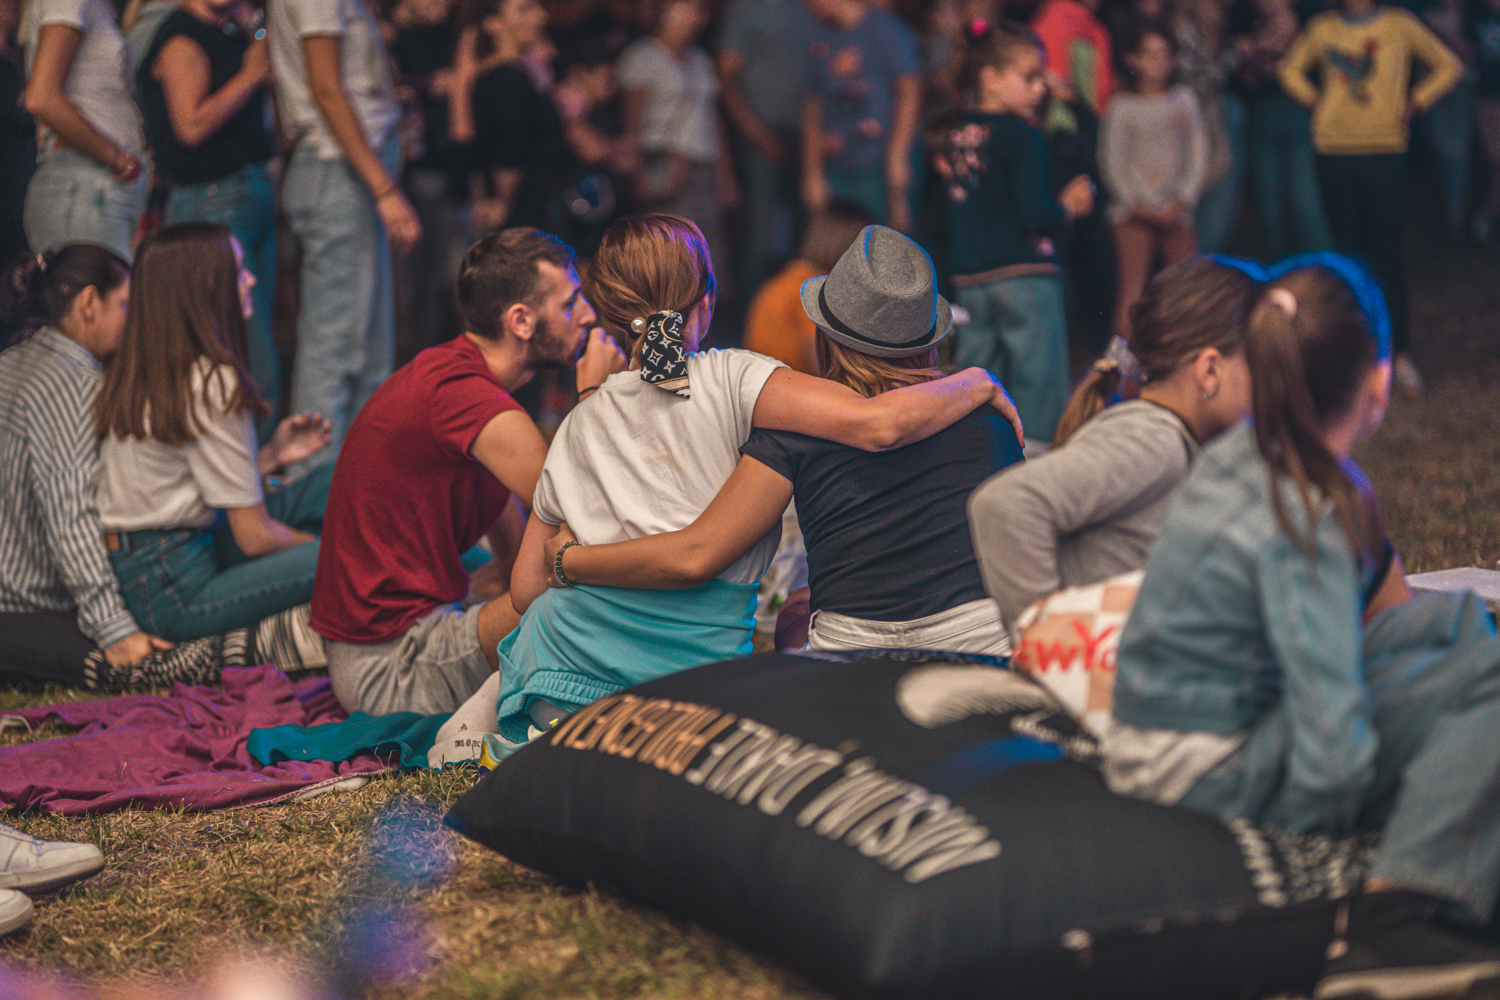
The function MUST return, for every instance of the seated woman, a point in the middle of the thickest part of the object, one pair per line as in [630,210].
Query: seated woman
[1091,508]
[648,451]
[890,564]
[1248,688]
[58,598]
[197,546]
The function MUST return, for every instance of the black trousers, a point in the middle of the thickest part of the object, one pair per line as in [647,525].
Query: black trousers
[42,647]
[1365,200]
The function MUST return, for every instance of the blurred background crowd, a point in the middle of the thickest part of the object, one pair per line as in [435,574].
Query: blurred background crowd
[357,147]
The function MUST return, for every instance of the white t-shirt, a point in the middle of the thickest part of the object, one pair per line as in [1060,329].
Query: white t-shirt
[364,71]
[680,114]
[98,82]
[144,484]
[634,460]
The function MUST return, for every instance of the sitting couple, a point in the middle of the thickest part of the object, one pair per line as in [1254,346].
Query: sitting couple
[651,459]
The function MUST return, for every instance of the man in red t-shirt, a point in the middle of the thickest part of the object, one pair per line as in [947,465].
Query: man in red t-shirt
[436,460]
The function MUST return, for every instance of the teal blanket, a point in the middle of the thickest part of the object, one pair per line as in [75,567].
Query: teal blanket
[577,645]
[406,733]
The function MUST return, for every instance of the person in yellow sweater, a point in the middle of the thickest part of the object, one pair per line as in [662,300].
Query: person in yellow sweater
[1353,68]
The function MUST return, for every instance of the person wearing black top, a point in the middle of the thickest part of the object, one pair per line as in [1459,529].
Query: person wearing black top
[519,140]
[890,559]
[204,97]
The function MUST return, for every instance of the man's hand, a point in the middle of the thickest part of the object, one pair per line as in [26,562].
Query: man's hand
[400,219]
[134,648]
[551,547]
[299,436]
[601,358]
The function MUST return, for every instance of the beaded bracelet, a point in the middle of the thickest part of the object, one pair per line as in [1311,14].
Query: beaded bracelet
[557,564]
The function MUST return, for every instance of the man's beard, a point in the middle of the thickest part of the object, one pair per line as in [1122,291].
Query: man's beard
[547,350]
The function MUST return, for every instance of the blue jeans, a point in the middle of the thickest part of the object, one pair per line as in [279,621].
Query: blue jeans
[346,325]
[245,201]
[1436,710]
[73,199]
[1019,332]
[192,582]
[1284,176]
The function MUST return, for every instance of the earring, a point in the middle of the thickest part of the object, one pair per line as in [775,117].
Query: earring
[1209,394]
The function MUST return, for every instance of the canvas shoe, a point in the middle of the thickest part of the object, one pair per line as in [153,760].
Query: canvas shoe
[1391,950]
[15,910]
[43,865]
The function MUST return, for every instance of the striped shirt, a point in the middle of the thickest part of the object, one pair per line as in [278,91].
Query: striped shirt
[52,554]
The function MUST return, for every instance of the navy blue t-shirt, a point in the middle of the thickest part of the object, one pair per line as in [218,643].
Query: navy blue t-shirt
[888,533]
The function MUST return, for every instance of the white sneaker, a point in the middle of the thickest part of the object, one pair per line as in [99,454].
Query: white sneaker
[43,865]
[15,910]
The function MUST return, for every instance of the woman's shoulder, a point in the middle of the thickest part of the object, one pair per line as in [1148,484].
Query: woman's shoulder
[728,362]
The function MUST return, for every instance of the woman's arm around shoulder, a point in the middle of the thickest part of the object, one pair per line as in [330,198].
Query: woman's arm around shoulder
[747,507]
[792,401]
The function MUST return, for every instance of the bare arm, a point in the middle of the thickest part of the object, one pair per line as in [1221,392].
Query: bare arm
[48,102]
[815,193]
[528,580]
[257,533]
[505,540]
[326,85]
[512,449]
[748,505]
[904,120]
[195,114]
[791,401]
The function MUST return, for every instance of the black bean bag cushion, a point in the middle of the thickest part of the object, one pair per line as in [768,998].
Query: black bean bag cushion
[908,824]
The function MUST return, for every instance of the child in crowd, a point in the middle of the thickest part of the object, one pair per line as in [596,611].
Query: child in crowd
[1001,213]
[1091,508]
[1153,154]
[777,325]
[1362,105]
[890,563]
[58,597]
[1247,688]
[606,478]
[175,421]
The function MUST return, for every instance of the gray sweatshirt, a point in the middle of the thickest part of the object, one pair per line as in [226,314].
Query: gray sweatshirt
[1084,512]
[1153,150]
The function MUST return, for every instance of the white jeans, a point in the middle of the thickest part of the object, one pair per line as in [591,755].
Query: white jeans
[974,627]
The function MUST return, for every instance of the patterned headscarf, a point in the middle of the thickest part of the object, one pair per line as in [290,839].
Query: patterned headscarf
[663,362]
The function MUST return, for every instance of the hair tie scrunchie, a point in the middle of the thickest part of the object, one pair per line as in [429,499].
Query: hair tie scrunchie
[1283,299]
[663,363]
[1124,358]
[978,27]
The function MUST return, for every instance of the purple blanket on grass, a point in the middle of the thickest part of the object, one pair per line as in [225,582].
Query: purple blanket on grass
[182,751]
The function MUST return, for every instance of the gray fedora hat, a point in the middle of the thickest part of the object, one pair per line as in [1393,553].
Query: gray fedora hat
[880,298]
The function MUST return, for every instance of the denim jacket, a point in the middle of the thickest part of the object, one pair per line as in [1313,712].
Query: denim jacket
[1233,620]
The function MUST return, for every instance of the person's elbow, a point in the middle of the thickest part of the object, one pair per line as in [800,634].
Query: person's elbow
[190,135]
[41,101]
[881,428]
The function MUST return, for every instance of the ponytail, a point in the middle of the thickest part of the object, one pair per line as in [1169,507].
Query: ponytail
[1097,390]
[1309,347]
[38,291]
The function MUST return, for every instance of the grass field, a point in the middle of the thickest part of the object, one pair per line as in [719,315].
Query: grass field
[295,890]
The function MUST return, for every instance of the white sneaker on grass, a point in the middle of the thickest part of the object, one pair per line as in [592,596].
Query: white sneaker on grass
[43,865]
[15,910]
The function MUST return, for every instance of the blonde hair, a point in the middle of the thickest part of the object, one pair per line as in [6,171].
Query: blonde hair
[646,264]
[869,375]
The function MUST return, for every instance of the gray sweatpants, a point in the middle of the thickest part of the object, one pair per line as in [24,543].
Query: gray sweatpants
[433,668]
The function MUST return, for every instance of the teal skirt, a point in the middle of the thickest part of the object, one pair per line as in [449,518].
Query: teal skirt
[578,644]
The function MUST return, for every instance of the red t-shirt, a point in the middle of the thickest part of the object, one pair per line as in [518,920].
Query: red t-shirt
[407,498]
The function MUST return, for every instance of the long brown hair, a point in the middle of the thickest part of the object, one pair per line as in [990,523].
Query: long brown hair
[1187,308]
[646,264]
[868,375]
[1309,347]
[184,305]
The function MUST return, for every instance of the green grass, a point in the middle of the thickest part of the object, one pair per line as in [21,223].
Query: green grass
[280,891]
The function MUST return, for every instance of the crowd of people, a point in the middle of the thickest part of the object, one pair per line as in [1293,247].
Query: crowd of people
[139,507]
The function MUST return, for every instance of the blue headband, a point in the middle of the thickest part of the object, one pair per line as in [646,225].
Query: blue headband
[1252,268]
[1366,291]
